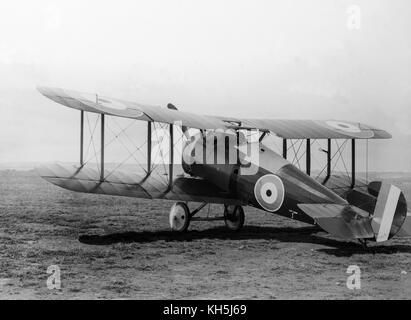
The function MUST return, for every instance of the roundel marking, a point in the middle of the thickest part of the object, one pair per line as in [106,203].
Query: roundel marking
[344,126]
[113,104]
[103,101]
[269,192]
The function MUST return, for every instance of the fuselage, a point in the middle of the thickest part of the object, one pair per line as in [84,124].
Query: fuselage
[266,181]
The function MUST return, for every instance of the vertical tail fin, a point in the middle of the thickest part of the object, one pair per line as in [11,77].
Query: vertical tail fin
[389,213]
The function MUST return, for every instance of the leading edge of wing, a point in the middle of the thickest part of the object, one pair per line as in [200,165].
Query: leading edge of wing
[93,103]
[342,221]
[283,128]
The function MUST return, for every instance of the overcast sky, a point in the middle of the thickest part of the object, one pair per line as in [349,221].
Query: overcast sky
[269,59]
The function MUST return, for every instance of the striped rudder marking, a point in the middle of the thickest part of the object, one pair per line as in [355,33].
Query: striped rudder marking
[385,209]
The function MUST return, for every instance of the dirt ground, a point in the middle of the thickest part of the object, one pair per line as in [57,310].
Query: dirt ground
[114,248]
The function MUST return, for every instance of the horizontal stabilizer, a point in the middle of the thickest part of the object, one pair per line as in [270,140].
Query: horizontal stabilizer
[343,221]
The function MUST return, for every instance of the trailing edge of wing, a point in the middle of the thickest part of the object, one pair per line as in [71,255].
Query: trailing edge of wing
[283,128]
[343,221]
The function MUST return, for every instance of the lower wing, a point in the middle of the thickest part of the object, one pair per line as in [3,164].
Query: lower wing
[133,184]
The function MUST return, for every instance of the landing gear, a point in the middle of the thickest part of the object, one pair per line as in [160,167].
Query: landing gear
[179,217]
[234,217]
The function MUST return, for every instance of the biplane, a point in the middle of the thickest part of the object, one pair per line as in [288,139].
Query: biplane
[229,161]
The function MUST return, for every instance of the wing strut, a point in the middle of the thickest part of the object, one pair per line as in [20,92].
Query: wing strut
[352,163]
[285,148]
[308,157]
[148,148]
[328,161]
[81,138]
[102,149]
[171,154]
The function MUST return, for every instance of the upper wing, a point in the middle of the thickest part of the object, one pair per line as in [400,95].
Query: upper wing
[287,129]
[115,107]
[316,129]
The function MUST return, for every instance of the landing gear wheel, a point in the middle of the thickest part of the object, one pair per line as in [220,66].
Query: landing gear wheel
[234,217]
[179,217]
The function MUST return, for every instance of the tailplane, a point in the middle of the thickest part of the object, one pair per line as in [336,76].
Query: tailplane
[377,219]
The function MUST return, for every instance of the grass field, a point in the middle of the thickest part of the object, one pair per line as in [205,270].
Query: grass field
[115,247]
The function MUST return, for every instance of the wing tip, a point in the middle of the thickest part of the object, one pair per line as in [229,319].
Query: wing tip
[45,91]
[382,134]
